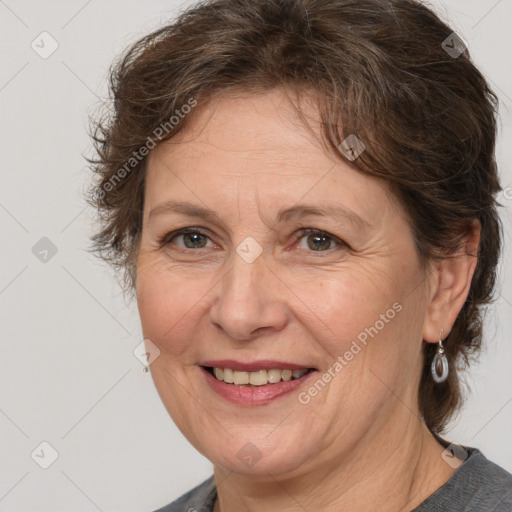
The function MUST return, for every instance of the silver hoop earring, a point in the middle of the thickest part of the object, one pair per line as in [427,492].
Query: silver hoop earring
[439,366]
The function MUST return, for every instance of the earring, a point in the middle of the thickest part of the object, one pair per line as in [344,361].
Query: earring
[145,369]
[440,363]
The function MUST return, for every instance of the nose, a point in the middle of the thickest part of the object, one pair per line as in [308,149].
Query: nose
[250,300]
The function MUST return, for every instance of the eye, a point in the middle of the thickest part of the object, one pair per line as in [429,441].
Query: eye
[310,239]
[317,240]
[190,238]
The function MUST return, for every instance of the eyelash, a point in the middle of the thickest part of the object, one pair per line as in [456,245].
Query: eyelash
[301,233]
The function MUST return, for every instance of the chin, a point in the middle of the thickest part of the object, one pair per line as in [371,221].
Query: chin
[257,452]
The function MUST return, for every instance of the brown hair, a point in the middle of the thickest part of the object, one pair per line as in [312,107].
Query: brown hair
[381,70]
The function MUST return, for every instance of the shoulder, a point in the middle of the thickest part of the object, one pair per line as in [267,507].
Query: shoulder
[478,484]
[198,499]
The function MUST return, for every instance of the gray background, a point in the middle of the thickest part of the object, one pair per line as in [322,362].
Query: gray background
[68,373]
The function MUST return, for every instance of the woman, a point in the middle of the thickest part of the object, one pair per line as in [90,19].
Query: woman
[302,194]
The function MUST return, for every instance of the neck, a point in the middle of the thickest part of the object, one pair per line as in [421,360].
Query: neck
[397,474]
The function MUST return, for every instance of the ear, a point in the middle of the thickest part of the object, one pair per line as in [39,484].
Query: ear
[450,285]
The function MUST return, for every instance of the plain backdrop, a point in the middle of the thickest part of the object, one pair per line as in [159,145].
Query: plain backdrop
[68,374]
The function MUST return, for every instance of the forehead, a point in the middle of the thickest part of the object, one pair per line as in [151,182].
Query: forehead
[255,146]
[247,126]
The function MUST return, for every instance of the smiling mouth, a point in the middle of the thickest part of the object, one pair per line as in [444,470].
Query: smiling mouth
[257,378]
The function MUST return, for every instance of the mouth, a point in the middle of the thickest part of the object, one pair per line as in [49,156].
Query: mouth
[255,383]
[256,378]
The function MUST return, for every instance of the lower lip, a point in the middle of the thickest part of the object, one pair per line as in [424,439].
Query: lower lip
[253,395]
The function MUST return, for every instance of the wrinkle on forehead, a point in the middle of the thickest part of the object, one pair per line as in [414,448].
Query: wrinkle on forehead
[257,148]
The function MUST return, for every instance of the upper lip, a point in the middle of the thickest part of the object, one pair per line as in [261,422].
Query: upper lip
[254,366]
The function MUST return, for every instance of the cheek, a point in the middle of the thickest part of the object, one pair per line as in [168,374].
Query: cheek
[168,306]
[350,300]
[369,320]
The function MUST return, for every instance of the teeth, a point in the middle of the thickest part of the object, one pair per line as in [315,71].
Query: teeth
[297,374]
[259,378]
[286,375]
[241,378]
[274,376]
[228,376]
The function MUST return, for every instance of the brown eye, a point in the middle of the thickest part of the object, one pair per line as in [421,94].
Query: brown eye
[194,240]
[188,239]
[318,241]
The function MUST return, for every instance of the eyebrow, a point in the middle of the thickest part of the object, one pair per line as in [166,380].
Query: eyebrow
[284,215]
[335,211]
[184,208]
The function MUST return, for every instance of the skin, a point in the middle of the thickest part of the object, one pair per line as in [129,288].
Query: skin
[360,443]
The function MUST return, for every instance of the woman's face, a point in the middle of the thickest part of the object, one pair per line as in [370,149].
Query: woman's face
[301,262]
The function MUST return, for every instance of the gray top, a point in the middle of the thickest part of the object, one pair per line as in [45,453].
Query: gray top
[478,485]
